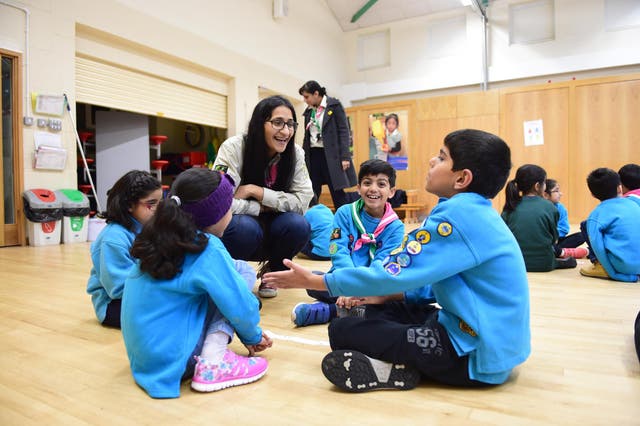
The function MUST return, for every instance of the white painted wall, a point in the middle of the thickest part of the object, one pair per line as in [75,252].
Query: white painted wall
[581,45]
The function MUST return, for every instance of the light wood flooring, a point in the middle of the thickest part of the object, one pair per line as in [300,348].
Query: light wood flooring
[60,367]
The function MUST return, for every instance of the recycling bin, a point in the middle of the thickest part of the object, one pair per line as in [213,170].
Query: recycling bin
[44,213]
[75,215]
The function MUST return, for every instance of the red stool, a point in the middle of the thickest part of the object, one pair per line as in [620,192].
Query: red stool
[85,188]
[156,142]
[158,166]
[85,136]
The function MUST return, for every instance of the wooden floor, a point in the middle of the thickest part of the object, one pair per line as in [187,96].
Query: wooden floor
[60,367]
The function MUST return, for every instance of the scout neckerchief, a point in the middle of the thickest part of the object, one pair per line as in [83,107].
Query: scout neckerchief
[370,238]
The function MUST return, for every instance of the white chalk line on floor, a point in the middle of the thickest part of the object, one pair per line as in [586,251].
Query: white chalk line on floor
[295,339]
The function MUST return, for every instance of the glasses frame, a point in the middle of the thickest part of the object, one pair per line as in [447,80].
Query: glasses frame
[291,125]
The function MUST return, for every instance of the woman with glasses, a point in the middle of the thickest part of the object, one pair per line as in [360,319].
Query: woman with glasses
[327,143]
[272,189]
[131,202]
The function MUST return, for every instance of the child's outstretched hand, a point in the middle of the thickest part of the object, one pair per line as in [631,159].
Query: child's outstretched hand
[265,343]
[296,277]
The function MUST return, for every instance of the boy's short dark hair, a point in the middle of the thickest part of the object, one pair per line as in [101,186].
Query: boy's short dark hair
[603,183]
[485,154]
[376,167]
[630,176]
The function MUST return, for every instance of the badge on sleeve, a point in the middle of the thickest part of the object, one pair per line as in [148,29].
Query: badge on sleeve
[333,248]
[403,260]
[414,247]
[423,237]
[335,234]
[445,229]
[221,168]
[393,268]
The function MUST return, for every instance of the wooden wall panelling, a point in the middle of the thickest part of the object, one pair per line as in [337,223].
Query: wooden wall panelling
[607,133]
[551,104]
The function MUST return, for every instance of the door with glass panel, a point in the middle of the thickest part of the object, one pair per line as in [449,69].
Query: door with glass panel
[11,220]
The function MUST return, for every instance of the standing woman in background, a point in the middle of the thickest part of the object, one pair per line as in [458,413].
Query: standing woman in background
[272,189]
[326,143]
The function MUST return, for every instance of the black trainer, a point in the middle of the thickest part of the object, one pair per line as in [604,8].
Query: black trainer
[353,371]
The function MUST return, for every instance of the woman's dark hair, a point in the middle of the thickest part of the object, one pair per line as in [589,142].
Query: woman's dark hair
[603,183]
[255,157]
[550,184]
[486,155]
[390,116]
[311,87]
[125,193]
[171,233]
[526,178]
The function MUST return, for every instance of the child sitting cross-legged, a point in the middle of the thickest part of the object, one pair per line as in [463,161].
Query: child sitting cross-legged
[463,257]
[363,231]
[612,230]
[186,297]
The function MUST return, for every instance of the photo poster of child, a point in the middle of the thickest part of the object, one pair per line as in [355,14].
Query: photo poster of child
[387,139]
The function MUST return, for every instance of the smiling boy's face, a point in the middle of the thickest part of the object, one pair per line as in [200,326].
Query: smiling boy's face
[440,178]
[375,191]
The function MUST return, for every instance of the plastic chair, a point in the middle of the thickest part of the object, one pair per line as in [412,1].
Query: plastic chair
[156,143]
[158,166]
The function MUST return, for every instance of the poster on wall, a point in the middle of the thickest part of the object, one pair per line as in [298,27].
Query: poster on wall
[533,133]
[386,140]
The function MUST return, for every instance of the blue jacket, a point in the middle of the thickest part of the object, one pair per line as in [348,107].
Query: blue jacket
[345,234]
[162,320]
[320,218]
[466,257]
[111,265]
[614,237]
[563,220]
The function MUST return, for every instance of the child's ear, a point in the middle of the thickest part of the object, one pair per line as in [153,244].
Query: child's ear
[392,192]
[464,179]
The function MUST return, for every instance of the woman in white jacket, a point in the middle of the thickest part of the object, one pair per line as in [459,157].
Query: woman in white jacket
[272,189]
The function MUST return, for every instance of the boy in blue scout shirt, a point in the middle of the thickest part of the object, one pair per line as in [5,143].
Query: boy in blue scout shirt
[465,258]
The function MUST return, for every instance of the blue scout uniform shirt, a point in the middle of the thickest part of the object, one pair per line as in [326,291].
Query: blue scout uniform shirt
[320,218]
[563,220]
[475,269]
[345,234]
[614,236]
[162,320]
[111,265]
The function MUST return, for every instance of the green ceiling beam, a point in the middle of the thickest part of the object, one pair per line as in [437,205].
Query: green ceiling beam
[362,10]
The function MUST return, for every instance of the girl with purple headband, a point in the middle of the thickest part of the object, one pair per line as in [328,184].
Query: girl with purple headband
[185,298]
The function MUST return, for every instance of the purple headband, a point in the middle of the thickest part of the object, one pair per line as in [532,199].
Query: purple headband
[211,209]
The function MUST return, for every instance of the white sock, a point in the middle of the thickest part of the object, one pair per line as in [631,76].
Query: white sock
[214,347]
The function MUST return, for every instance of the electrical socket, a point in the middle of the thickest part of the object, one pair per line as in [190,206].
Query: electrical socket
[55,125]
[42,122]
[27,121]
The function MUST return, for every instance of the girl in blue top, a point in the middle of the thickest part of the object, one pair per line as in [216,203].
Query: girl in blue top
[185,299]
[568,244]
[130,204]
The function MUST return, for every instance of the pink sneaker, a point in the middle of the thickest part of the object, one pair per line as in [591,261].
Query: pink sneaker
[576,253]
[234,370]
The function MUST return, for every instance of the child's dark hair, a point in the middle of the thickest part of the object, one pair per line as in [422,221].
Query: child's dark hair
[172,233]
[390,116]
[630,176]
[125,193]
[603,183]
[550,184]
[527,177]
[376,167]
[314,201]
[255,157]
[311,87]
[486,155]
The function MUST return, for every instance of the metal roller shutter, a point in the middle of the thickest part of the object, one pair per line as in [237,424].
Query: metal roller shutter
[104,84]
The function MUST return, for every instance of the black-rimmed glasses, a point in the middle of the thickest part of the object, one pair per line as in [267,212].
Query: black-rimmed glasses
[279,123]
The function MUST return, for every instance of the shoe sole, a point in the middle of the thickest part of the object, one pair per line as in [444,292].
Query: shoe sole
[352,371]
[212,387]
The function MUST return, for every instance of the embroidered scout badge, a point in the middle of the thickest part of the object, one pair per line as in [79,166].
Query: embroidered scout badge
[445,229]
[423,237]
[221,168]
[414,247]
[333,248]
[335,234]
[393,268]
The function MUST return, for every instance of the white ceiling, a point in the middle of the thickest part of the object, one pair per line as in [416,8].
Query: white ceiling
[384,11]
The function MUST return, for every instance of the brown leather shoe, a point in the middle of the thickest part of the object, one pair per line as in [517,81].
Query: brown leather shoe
[595,270]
